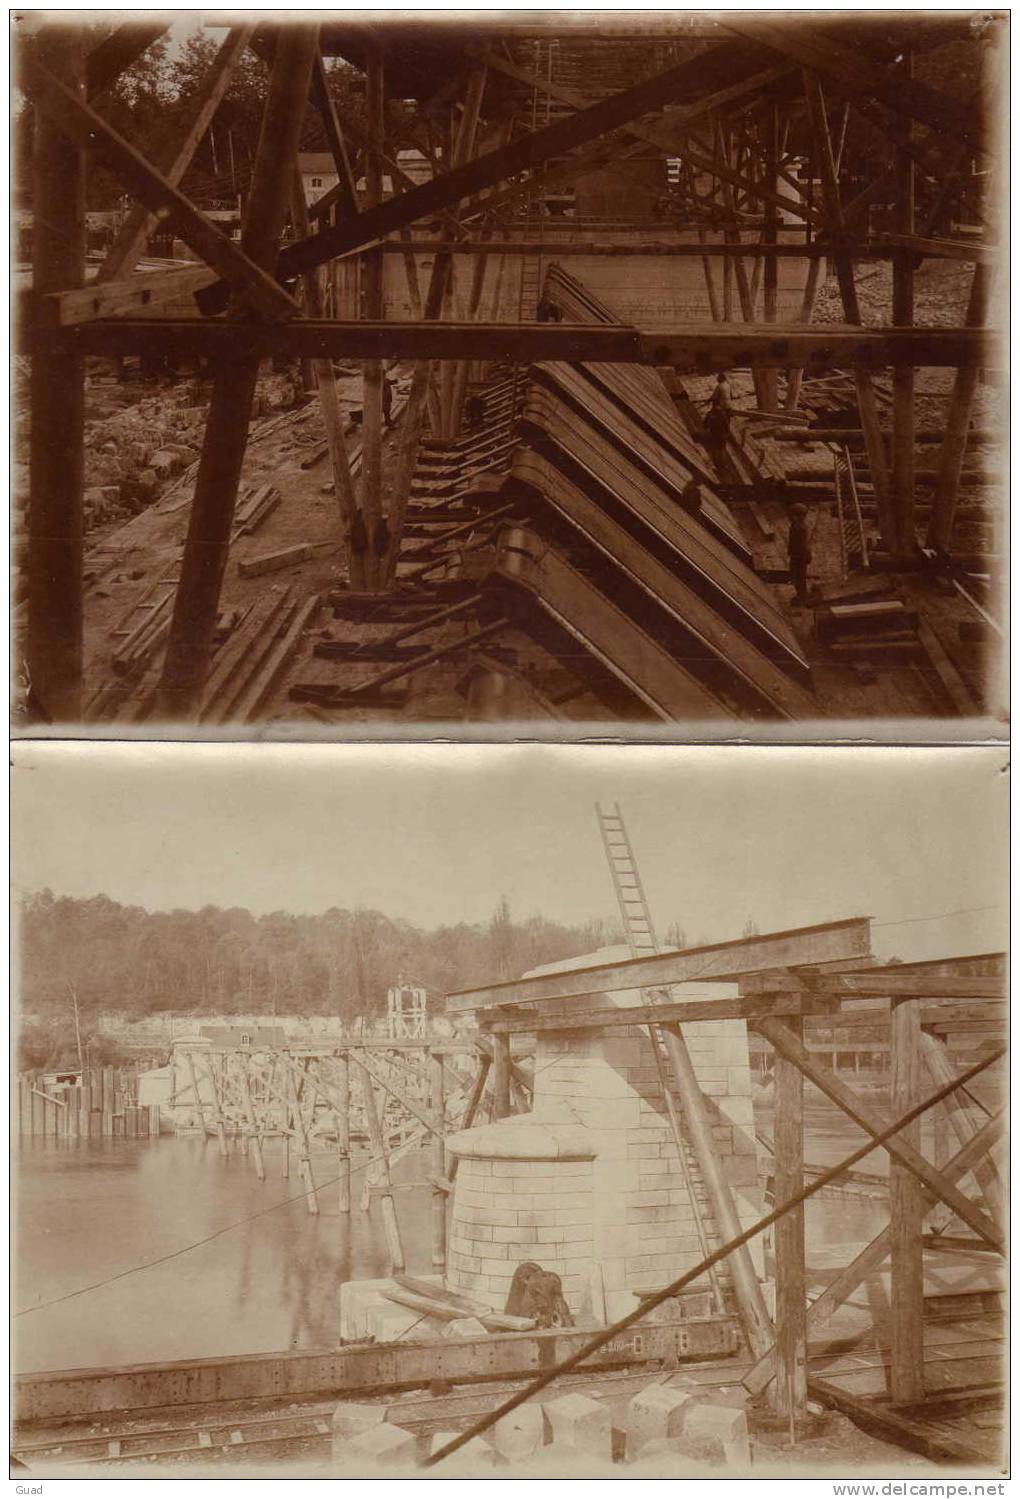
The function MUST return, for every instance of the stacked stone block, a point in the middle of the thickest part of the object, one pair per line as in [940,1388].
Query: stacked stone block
[509,1211]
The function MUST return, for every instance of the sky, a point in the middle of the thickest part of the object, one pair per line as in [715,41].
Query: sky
[436,834]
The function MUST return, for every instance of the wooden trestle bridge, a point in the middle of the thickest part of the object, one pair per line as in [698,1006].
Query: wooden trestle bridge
[392,1095]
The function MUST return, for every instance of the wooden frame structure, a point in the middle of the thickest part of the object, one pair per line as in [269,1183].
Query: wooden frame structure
[743,106]
[928,1008]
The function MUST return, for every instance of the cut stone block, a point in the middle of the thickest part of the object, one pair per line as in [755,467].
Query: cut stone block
[390,1323]
[383,1444]
[476,1452]
[655,1414]
[519,1434]
[579,1424]
[715,1429]
[350,1419]
[357,1299]
[466,1327]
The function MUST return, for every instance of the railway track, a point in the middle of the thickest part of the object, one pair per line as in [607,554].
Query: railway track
[241,1433]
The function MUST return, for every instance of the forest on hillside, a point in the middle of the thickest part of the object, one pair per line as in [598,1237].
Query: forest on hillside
[113,957]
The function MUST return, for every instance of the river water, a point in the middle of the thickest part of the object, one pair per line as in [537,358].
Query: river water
[89,1211]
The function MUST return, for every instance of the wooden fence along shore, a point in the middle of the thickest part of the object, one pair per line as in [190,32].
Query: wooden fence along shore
[103,1103]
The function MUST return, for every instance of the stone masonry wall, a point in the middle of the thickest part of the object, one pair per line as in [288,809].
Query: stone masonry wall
[508,1211]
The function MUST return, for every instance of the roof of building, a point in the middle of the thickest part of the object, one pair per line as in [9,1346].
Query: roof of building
[317,161]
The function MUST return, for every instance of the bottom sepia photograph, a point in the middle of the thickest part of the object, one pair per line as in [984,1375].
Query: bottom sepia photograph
[508,1112]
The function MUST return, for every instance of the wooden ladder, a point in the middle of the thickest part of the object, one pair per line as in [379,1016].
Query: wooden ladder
[640,934]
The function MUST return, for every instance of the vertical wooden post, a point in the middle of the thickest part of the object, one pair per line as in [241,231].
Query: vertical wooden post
[903,374]
[437,1101]
[906,1376]
[297,1123]
[753,1312]
[221,1132]
[710,288]
[329,405]
[477,1090]
[770,377]
[790,1387]
[372,369]
[874,440]
[226,433]
[954,441]
[53,652]
[343,1132]
[254,1139]
[500,1075]
[962,1120]
[387,1209]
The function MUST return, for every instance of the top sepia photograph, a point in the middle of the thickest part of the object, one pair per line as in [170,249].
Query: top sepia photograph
[475,373]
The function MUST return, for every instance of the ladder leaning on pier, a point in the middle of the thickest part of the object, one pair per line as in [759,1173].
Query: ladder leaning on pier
[640,935]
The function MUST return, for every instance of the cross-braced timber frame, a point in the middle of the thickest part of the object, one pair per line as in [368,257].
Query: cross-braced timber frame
[726,99]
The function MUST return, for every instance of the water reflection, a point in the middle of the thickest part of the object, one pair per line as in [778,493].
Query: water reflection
[88,1210]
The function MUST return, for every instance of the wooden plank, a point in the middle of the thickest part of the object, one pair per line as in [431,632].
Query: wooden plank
[874,1121]
[84,126]
[693,348]
[828,941]
[957,425]
[950,680]
[880,1420]
[790,1390]
[576,1017]
[906,1374]
[271,562]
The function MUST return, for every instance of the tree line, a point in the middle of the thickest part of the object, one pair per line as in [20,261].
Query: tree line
[125,959]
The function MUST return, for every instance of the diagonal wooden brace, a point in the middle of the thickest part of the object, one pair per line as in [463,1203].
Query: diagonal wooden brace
[874,1121]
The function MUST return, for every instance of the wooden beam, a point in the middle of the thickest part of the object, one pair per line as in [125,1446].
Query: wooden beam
[64,309]
[437,1101]
[53,653]
[874,1121]
[116,53]
[723,66]
[347,192]
[329,405]
[906,1373]
[500,1077]
[790,1394]
[372,369]
[343,1131]
[175,156]
[694,348]
[387,1207]
[882,983]
[957,427]
[849,938]
[964,1120]
[598,1017]
[903,429]
[847,68]
[866,400]
[872,1255]
[970,251]
[84,126]
[226,435]
[754,1315]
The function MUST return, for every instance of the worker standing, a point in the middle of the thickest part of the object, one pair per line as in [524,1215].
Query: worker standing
[721,398]
[690,497]
[798,548]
